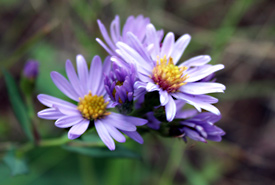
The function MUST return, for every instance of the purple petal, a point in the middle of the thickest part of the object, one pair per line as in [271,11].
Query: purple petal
[193,135]
[138,46]
[106,35]
[167,45]
[139,84]
[164,97]
[184,114]
[68,121]
[201,72]
[135,136]
[50,114]
[216,138]
[78,129]
[131,56]
[202,88]
[74,79]
[82,70]
[119,121]
[152,38]
[197,102]
[153,122]
[196,61]
[63,85]
[179,47]
[104,46]
[96,76]
[152,87]
[170,109]
[115,133]
[104,134]
[115,29]
[107,65]
[63,106]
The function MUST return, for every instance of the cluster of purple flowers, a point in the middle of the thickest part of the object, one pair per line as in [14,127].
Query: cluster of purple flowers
[140,78]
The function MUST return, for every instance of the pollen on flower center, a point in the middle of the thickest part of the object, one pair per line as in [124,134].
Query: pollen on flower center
[92,107]
[168,76]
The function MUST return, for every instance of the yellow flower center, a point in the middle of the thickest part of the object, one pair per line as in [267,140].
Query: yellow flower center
[92,107]
[119,83]
[168,76]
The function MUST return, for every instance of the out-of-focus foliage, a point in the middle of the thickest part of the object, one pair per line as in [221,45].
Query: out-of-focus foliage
[239,34]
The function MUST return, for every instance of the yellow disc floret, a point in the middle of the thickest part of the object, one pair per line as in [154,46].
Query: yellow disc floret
[92,107]
[168,76]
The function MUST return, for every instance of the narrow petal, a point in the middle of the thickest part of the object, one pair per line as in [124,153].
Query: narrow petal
[138,46]
[119,121]
[152,38]
[50,114]
[78,129]
[202,72]
[74,78]
[104,134]
[167,45]
[115,133]
[63,106]
[107,65]
[82,70]
[197,101]
[105,47]
[152,87]
[96,76]
[115,29]
[135,136]
[193,135]
[170,109]
[184,114]
[139,84]
[105,35]
[63,85]
[68,121]
[202,88]
[196,61]
[214,138]
[179,47]
[131,56]
[163,97]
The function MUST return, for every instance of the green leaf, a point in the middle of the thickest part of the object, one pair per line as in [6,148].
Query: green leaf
[17,165]
[17,104]
[103,152]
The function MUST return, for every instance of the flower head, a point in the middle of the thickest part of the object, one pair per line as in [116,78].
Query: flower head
[87,90]
[157,71]
[199,126]
[135,25]
[119,84]
[31,69]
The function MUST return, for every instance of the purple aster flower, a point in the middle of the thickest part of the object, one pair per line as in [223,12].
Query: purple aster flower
[87,90]
[157,71]
[119,84]
[31,69]
[200,127]
[135,25]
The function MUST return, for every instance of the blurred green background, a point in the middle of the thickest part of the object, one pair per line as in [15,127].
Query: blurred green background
[237,33]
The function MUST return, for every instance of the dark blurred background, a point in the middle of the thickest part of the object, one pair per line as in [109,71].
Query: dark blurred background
[237,33]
